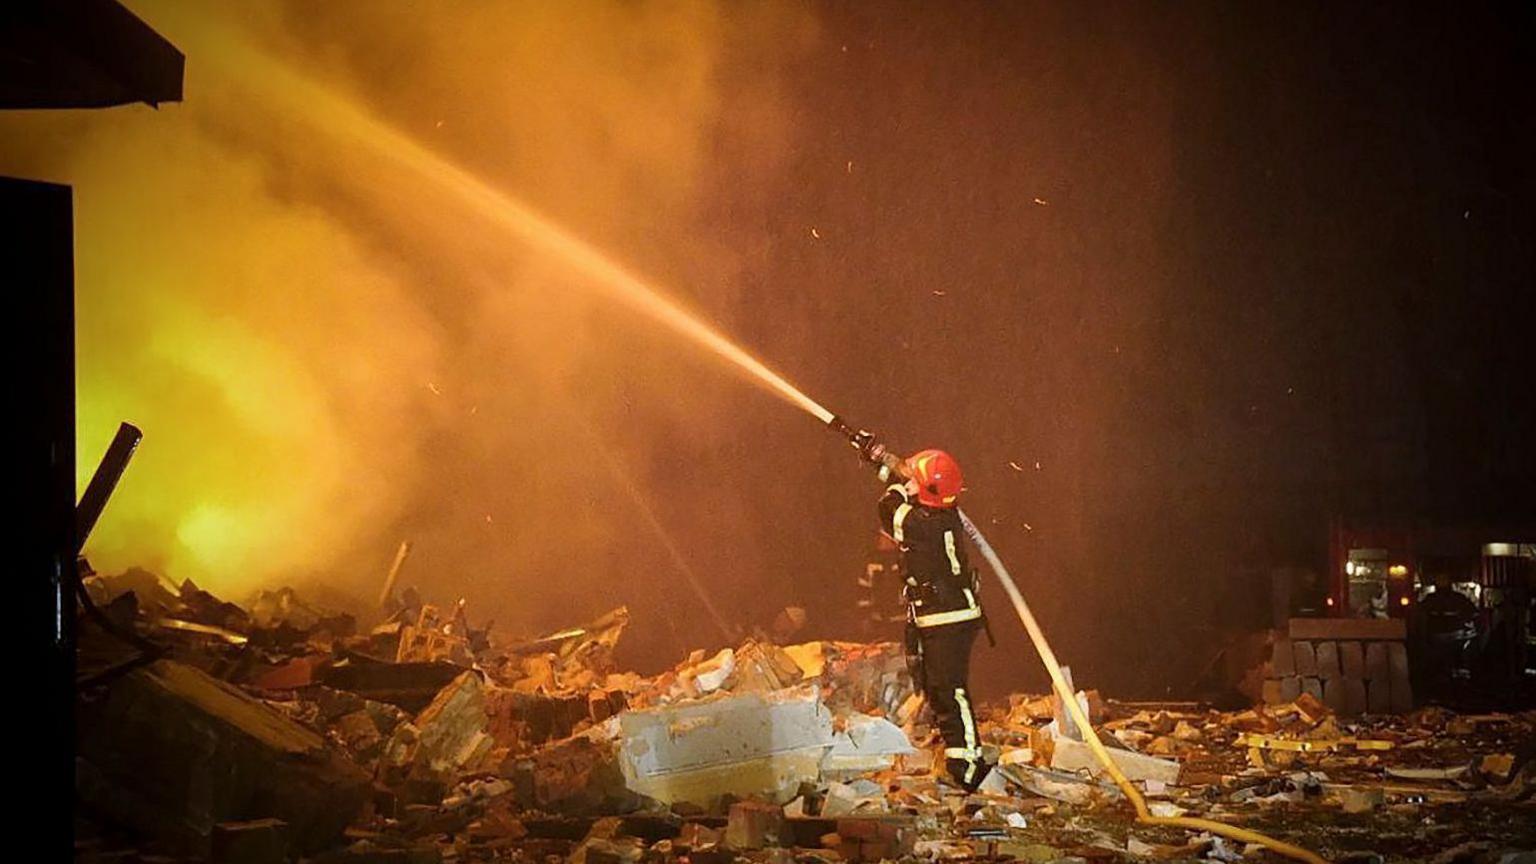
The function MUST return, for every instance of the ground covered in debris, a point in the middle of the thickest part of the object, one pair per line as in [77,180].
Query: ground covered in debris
[277,731]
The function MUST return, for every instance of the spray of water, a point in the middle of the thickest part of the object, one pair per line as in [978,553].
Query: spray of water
[300,96]
[623,477]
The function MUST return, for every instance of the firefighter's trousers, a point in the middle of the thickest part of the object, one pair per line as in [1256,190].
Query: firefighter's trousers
[941,658]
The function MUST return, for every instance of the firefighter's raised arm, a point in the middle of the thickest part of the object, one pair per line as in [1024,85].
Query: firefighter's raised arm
[894,506]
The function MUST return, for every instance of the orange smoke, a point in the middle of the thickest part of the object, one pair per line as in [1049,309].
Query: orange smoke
[326,354]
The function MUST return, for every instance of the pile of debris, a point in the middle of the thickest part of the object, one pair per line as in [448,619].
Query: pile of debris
[212,732]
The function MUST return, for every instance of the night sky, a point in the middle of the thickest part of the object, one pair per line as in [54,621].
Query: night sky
[1225,271]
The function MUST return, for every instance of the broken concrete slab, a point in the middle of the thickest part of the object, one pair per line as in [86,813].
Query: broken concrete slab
[452,729]
[1071,755]
[172,752]
[864,744]
[752,744]
[1352,660]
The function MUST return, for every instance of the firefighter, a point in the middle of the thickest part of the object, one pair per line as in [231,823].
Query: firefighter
[943,612]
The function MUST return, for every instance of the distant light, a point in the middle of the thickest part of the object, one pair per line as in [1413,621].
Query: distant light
[1402,601]
[1330,601]
[1398,570]
[1349,568]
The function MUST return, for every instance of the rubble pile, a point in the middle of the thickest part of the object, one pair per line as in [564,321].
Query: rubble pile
[279,732]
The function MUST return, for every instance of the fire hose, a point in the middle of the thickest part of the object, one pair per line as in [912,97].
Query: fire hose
[872,450]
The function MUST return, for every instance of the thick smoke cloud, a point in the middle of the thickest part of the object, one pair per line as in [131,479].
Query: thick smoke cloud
[245,333]
[329,354]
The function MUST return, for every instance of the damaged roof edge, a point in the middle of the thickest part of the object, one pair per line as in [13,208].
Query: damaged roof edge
[84,54]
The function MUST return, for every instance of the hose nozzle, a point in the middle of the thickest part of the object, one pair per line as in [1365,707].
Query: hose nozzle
[840,426]
[870,449]
[862,440]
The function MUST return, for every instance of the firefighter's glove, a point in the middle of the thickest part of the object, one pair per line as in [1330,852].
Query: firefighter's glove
[869,449]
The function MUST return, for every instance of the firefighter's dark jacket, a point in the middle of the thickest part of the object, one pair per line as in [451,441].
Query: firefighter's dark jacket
[940,585]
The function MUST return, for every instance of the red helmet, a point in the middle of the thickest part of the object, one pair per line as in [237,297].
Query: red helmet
[937,475]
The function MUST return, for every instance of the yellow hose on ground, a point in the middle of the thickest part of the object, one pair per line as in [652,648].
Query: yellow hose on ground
[1069,701]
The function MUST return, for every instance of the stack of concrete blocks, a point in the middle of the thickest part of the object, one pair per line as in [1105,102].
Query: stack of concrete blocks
[1353,665]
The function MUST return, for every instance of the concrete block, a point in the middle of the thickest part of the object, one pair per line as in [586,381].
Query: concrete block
[1355,699]
[1352,660]
[1270,692]
[1282,659]
[1311,708]
[1328,660]
[1290,689]
[1312,687]
[1377,667]
[1306,658]
[1401,688]
[1378,696]
[1333,694]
